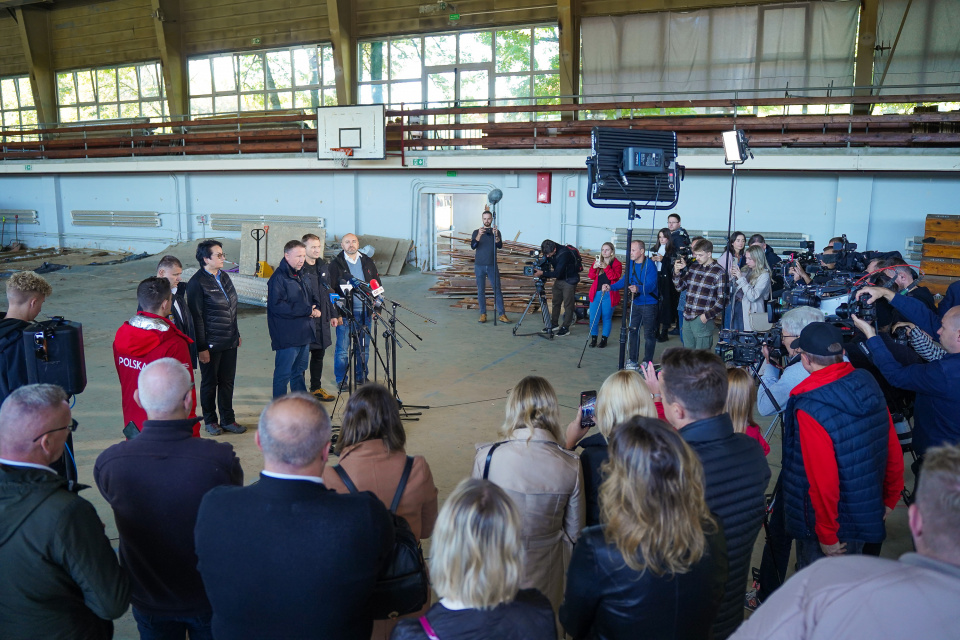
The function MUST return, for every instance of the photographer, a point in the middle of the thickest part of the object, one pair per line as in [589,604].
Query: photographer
[678,235]
[782,383]
[703,283]
[822,277]
[564,268]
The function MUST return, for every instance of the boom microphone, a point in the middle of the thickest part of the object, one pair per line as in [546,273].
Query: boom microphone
[494,196]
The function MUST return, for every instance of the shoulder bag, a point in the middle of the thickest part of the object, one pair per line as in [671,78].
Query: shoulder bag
[403,587]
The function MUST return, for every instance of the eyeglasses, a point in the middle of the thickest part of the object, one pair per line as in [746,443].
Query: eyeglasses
[217,255]
[72,427]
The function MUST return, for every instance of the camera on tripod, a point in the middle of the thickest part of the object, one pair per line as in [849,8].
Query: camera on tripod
[537,264]
[745,348]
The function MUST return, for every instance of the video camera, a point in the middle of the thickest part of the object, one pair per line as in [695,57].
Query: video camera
[537,264]
[844,256]
[745,348]
[838,301]
[806,259]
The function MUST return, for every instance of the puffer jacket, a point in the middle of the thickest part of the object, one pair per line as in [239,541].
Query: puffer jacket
[61,579]
[607,600]
[736,475]
[526,617]
[290,301]
[214,311]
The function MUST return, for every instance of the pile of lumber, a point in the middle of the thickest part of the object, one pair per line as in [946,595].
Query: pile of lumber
[941,252]
[459,282]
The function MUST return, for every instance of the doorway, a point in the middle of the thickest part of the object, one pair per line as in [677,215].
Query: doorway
[446,222]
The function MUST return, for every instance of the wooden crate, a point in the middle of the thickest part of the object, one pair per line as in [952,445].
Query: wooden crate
[941,246]
[937,284]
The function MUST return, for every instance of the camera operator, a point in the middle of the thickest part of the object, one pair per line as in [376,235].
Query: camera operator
[484,241]
[566,271]
[703,283]
[906,281]
[799,273]
[782,383]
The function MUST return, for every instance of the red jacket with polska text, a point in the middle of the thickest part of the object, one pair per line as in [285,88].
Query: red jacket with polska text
[139,341]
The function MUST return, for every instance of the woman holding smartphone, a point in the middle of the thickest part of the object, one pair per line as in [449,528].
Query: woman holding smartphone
[606,269]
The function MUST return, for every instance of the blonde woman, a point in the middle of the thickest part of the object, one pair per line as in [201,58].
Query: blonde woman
[656,567]
[542,478]
[476,563]
[605,271]
[623,395]
[741,402]
[751,289]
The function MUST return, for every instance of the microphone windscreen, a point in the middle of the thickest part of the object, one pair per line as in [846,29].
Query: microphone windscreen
[494,196]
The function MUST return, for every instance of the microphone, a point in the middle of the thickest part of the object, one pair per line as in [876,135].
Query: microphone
[494,196]
[377,289]
[345,286]
[361,286]
[339,304]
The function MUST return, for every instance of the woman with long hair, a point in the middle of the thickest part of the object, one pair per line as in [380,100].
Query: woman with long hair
[542,477]
[751,290]
[656,567]
[606,269]
[733,256]
[741,402]
[624,394]
[476,563]
[372,453]
[665,256]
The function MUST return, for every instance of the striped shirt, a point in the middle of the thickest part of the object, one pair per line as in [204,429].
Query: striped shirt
[704,287]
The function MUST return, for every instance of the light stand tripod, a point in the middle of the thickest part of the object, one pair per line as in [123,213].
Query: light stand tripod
[735,151]
[539,294]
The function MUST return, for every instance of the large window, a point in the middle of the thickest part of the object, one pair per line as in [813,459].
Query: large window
[293,78]
[128,91]
[496,67]
[17,110]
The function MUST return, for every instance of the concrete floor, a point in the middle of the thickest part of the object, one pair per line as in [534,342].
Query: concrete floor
[462,370]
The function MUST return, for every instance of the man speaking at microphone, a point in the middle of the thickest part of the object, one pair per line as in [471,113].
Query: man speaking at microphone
[350,263]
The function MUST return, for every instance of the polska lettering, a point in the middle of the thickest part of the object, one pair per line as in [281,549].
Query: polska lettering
[131,363]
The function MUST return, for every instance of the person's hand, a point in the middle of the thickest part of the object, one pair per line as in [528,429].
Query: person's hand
[875,293]
[765,350]
[649,373]
[703,318]
[679,265]
[239,342]
[633,288]
[887,511]
[605,287]
[864,327]
[909,325]
[656,257]
[538,273]
[314,312]
[597,262]
[575,431]
[204,357]
[734,271]
[831,550]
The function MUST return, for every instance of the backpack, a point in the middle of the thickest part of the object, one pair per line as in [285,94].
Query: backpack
[576,255]
[403,587]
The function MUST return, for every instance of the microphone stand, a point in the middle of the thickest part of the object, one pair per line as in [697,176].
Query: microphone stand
[392,354]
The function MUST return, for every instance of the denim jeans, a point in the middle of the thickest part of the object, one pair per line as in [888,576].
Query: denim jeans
[809,550]
[482,272]
[601,313]
[644,315]
[681,303]
[341,355]
[289,365]
[153,627]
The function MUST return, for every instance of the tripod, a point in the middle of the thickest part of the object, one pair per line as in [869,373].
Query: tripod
[540,295]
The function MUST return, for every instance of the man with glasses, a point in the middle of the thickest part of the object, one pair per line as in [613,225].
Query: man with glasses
[213,305]
[703,284]
[61,578]
[154,483]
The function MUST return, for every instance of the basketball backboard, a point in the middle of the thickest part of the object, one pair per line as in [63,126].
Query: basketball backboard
[360,128]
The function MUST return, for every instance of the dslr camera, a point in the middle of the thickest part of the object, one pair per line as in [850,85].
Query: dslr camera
[745,348]
[537,264]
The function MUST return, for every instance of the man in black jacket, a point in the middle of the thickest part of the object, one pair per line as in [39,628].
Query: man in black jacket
[315,272]
[213,304]
[310,555]
[61,578]
[694,387]
[292,307]
[350,263]
[154,483]
[562,266]
[171,268]
[26,292]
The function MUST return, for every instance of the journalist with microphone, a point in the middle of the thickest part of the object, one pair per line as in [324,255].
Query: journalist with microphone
[485,241]
[350,263]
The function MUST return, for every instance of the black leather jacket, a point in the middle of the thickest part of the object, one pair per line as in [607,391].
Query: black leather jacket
[214,311]
[606,599]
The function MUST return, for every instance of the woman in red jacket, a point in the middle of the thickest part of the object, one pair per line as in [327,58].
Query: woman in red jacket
[605,270]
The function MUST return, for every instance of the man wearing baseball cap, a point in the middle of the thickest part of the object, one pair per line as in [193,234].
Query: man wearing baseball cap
[842,463]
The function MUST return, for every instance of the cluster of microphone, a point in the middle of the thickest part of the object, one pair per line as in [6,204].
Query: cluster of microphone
[370,291]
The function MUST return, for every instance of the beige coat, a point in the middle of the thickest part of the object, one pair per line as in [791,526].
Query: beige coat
[545,481]
[755,297]
[373,468]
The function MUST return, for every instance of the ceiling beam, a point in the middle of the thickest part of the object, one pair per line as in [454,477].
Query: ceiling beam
[866,41]
[12,4]
[34,28]
[166,22]
[340,15]
[568,19]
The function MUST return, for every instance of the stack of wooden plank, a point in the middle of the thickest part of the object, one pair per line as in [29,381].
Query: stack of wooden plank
[941,252]
[458,281]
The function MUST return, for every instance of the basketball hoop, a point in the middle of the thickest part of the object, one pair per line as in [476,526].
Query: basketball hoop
[341,155]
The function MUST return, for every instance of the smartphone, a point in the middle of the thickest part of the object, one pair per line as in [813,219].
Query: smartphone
[588,406]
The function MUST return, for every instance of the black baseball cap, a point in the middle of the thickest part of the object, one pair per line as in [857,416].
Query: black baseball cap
[820,339]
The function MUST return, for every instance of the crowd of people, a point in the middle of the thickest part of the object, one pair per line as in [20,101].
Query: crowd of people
[647,524]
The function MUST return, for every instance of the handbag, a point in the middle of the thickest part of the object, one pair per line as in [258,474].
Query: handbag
[759,320]
[403,587]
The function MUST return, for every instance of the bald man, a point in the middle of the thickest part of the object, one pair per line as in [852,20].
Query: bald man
[61,578]
[350,263]
[311,555]
[154,483]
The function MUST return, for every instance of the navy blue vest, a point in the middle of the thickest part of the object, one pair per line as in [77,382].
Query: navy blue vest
[853,413]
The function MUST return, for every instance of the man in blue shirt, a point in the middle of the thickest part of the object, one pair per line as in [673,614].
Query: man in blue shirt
[640,278]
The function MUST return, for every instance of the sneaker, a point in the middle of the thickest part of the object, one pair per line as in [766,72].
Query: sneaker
[213,428]
[563,331]
[631,366]
[483,318]
[233,427]
[750,601]
[321,395]
[503,318]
